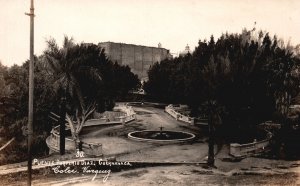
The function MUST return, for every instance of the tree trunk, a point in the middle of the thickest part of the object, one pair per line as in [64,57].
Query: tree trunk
[62,124]
[211,131]
[80,98]
[211,143]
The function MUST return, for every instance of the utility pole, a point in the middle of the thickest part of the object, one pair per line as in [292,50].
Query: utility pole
[31,87]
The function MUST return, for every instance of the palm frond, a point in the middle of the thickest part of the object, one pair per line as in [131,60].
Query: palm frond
[90,73]
[52,63]
[68,43]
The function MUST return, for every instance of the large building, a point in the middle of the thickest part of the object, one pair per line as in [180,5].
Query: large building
[138,58]
[186,51]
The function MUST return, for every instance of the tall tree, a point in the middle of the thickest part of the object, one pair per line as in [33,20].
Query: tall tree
[3,89]
[67,64]
[248,75]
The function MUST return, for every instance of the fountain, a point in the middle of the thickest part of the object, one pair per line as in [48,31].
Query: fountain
[161,136]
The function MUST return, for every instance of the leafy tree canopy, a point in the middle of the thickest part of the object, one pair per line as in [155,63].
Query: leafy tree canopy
[250,74]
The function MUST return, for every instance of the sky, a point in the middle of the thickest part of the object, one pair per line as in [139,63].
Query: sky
[174,23]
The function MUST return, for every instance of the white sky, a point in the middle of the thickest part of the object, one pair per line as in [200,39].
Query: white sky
[173,23]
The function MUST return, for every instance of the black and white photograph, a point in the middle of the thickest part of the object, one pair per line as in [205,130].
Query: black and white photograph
[146,93]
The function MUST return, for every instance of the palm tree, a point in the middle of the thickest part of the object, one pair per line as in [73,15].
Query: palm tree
[213,74]
[76,126]
[68,65]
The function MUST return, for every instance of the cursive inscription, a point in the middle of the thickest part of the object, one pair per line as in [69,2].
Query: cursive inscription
[81,166]
[89,170]
[64,170]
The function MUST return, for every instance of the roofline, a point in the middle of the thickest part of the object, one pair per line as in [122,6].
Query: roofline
[132,45]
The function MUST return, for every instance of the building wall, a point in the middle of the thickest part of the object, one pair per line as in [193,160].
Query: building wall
[138,58]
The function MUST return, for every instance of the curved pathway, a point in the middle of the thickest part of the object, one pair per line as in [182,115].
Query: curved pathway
[115,142]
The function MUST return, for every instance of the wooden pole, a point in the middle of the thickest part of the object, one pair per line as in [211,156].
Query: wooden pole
[31,88]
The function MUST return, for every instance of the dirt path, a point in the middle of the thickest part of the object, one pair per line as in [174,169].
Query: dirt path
[155,118]
[173,175]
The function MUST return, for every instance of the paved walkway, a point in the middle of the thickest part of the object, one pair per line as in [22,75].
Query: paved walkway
[116,144]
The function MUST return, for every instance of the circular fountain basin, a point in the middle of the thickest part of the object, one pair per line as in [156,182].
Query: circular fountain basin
[161,136]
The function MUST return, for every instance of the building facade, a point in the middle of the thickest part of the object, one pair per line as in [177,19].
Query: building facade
[186,51]
[138,58]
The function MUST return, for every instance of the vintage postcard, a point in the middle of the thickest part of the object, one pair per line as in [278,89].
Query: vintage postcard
[128,92]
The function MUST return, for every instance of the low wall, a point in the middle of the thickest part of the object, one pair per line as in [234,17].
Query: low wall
[53,142]
[201,122]
[242,150]
[94,149]
[129,113]
[147,104]
[178,116]
[108,115]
